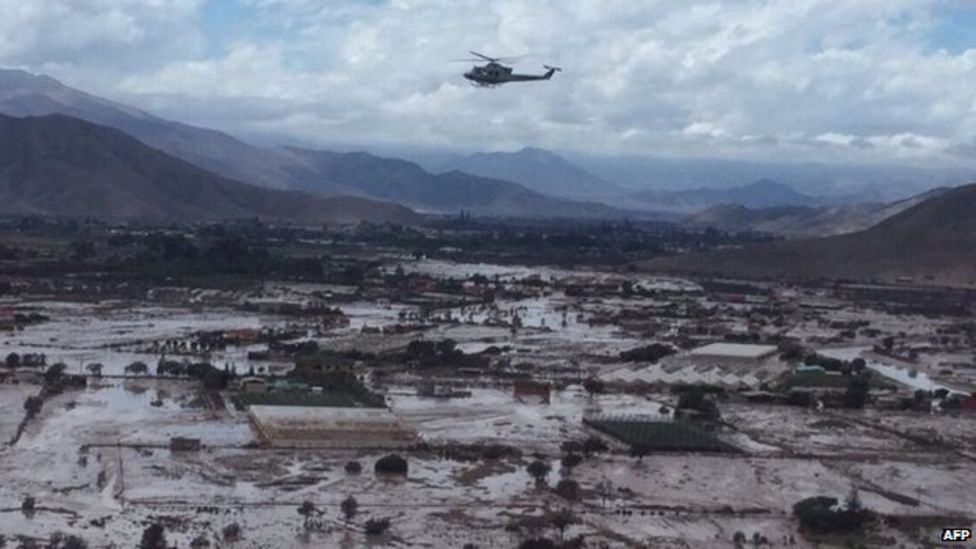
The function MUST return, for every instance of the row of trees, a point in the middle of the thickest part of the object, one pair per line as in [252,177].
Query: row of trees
[820,514]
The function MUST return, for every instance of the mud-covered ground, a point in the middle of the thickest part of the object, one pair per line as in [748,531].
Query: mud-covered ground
[97,462]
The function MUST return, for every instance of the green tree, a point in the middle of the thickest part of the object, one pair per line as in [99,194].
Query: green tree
[568,489]
[28,505]
[594,445]
[306,510]
[232,532]
[377,527]
[562,519]
[539,470]
[153,537]
[857,392]
[695,399]
[593,386]
[54,373]
[571,460]
[349,507]
[33,405]
[391,464]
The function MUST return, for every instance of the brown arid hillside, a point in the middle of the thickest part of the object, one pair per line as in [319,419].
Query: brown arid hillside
[62,166]
[934,240]
[805,221]
[319,172]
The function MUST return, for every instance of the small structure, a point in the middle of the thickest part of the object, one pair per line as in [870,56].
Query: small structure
[441,390]
[331,427]
[184,444]
[254,385]
[969,403]
[811,369]
[74,381]
[241,336]
[761,396]
[658,436]
[739,352]
[316,364]
[289,386]
[528,391]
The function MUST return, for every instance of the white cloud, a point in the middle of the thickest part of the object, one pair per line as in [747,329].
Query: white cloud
[754,78]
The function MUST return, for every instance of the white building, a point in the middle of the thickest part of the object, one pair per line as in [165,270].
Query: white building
[325,426]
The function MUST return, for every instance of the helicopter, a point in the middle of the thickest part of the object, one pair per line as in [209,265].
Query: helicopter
[495,73]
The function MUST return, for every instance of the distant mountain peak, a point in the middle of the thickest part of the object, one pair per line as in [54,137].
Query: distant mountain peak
[536,151]
[541,170]
[931,237]
[361,174]
[17,82]
[766,183]
[63,166]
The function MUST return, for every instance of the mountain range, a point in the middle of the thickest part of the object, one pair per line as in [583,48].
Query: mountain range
[843,183]
[63,166]
[67,153]
[934,239]
[796,221]
[359,174]
[760,194]
[537,169]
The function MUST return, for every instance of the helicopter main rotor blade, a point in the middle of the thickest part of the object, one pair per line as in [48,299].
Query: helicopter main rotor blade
[485,57]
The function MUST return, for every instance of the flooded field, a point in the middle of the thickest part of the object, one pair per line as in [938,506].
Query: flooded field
[492,368]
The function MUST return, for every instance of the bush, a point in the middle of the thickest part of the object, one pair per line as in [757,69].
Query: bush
[649,353]
[354,467]
[594,445]
[571,460]
[537,543]
[71,542]
[393,464]
[137,367]
[568,489]
[28,504]
[377,527]
[153,537]
[349,507]
[232,532]
[54,373]
[33,405]
[857,392]
[694,399]
[539,470]
[593,386]
[817,514]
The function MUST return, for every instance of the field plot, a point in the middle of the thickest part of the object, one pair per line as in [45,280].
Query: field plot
[494,415]
[497,444]
[659,436]
[802,431]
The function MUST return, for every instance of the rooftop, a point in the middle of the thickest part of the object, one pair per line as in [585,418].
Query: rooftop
[734,350]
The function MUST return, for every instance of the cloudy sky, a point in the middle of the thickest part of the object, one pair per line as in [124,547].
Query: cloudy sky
[863,80]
